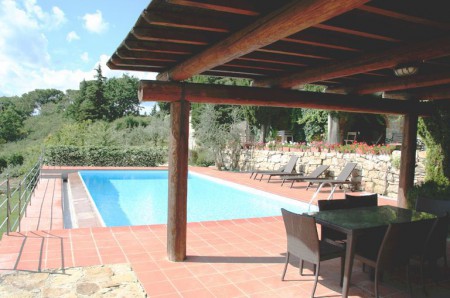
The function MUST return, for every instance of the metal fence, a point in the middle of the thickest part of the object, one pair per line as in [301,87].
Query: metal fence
[15,196]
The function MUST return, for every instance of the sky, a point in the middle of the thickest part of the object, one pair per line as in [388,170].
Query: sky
[58,43]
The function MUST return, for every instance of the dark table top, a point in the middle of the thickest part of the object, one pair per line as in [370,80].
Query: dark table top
[367,217]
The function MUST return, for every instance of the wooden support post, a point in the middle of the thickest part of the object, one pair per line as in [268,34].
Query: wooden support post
[178,171]
[408,158]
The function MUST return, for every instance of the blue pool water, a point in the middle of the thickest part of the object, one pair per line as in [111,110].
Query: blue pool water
[140,197]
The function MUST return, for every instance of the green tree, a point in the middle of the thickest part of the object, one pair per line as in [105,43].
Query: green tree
[11,124]
[104,99]
[91,103]
[266,118]
[36,98]
[223,112]
[435,131]
[215,137]
[121,94]
[314,124]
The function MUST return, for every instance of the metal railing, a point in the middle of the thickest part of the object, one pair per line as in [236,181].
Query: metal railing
[15,196]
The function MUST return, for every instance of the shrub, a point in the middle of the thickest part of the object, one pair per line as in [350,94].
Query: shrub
[3,163]
[201,158]
[104,156]
[15,159]
[429,189]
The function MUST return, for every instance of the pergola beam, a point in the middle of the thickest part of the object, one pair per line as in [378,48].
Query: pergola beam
[415,81]
[290,19]
[257,96]
[408,53]
[428,94]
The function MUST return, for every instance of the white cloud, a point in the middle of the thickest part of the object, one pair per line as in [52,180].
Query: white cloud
[71,36]
[85,57]
[94,22]
[20,78]
[46,20]
[21,37]
[25,63]
[58,16]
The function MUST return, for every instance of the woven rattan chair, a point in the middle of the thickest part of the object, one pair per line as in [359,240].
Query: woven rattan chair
[361,201]
[328,234]
[396,249]
[303,242]
[435,247]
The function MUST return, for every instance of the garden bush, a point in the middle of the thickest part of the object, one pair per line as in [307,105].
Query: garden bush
[201,158]
[15,159]
[429,189]
[104,156]
[3,163]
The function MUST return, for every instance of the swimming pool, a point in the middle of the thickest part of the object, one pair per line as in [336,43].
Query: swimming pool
[140,197]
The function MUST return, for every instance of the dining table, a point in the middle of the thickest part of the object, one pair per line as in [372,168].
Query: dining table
[359,221]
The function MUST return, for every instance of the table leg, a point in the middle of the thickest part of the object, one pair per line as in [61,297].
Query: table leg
[349,255]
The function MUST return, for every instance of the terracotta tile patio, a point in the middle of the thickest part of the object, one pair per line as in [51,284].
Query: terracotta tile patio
[237,258]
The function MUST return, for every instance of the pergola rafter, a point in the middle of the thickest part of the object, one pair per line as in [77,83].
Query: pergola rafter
[287,20]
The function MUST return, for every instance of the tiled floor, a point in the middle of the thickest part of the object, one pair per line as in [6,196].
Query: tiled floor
[45,211]
[238,258]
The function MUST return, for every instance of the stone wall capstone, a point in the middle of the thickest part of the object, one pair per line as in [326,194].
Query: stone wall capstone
[374,173]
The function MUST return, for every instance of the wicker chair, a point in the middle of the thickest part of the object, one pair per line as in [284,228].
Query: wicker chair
[399,242]
[361,201]
[336,237]
[328,234]
[303,242]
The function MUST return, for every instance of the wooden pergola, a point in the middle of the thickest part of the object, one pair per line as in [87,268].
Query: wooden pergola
[350,46]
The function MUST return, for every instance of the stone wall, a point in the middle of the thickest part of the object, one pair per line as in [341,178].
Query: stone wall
[374,173]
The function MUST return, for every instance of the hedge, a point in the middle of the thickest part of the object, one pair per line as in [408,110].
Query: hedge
[104,156]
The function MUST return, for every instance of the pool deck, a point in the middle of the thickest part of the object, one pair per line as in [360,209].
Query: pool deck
[234,258]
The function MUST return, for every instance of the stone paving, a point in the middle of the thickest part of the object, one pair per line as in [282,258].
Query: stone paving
[97,281]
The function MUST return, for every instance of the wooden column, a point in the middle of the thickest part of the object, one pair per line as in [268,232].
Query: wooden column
[178,171]
[408,158]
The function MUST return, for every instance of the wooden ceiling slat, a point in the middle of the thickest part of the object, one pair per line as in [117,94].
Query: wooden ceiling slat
[321,44]
[253,66]
[134,44]
[229,74]
[127,54]
[237,95]
[197,22]
[270,61]
[174,35]
[380,25]
[231,6]
[288,51]
[407,53]
[111,65]
[136,62]
[341,40]
[356,32]
[400,83]
[279,24]
[276,58]
[225,71]
[405,17]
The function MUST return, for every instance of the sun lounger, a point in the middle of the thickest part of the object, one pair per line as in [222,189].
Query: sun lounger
[313,175]
[341,179]
[287,169]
